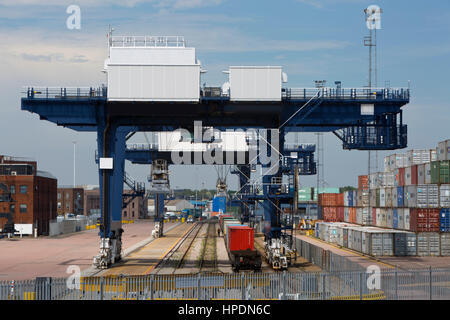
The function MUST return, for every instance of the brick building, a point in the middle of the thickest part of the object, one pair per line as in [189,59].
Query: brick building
[135,209]
[70,201]
[91,201]
[32,202]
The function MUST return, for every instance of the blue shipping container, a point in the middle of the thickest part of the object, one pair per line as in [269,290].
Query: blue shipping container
[219,204]
[395,218]
[400,197]
[444,220]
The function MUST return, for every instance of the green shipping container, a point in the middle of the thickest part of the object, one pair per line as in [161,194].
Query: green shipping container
[325,190]
[435,172]
[378,198]
[305,194]
[444,171]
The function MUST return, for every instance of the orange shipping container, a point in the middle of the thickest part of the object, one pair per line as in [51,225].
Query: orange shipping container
[352,214]
[363,182]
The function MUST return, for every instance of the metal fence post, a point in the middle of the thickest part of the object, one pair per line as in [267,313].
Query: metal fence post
[151,286]
[242,287]
[431,285]
[323,286]
[101,288]
[360,286]
[198,287]
[396,284]
[284,285]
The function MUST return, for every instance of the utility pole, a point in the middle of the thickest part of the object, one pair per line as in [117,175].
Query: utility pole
[74,150]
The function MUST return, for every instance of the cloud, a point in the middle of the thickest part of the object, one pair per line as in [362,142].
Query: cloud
[320,4]
[173,4]
[314,3]
[39,57]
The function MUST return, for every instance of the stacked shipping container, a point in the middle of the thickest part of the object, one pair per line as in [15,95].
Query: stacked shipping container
[412,194]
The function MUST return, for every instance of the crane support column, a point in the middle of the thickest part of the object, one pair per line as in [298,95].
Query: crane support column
[111,145]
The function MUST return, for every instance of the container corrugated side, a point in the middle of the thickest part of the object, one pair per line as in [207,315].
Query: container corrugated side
[445,244]
[444,220]
[240,238]
[428,244]
[444,196]
[421,174]
[443,152]
[405,244]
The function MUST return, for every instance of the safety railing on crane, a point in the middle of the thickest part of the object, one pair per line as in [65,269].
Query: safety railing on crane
[141,146]
[147,41]
[346,93]
[65,92]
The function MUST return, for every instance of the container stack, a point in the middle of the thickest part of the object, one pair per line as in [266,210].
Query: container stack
[411,195]
[332,206]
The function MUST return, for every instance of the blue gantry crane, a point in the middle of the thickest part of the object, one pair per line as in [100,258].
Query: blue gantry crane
[154,86]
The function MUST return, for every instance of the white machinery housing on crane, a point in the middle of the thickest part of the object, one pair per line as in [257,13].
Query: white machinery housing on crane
[152,69]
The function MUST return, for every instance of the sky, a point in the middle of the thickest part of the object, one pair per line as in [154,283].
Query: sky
[311,39]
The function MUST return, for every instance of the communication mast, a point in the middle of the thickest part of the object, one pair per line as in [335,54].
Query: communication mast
[373,22]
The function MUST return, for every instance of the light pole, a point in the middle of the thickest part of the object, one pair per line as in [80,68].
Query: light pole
[74,150]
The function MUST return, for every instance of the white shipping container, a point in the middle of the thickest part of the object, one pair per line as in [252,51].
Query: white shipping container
[379,222]
[387,167]
[359,215]
[444,196]
[255,83]
[388,179]
[434,154]
[408,176]
[398,160]
[427,173]
[389,218]
[401,218]
[382,197]
[394,200]
[418,157]
[410,196]
[444,150]
[432,196]
[422,191]
[406,219]
[421,174]
[388,197]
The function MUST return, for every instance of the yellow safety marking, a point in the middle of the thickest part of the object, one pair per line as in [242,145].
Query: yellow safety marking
[370,296]
[167,251]
[28,296]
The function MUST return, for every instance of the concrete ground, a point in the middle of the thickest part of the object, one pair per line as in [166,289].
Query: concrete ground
[28,258]
[382,262]
[223,262]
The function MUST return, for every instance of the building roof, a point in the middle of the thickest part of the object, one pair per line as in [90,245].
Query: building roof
[45,174]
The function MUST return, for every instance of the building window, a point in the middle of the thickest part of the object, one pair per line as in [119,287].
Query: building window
[133,214]
[12,208]
[59,205]
[67,206]
[23,189]
[67,195]
[124,213]
[12,189]
[23,208]
[132,205]
[59,195]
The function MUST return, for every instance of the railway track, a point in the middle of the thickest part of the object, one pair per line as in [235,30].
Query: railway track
[176,257]
[208,259]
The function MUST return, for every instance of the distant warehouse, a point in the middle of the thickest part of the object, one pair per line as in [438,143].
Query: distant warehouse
[28,195]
